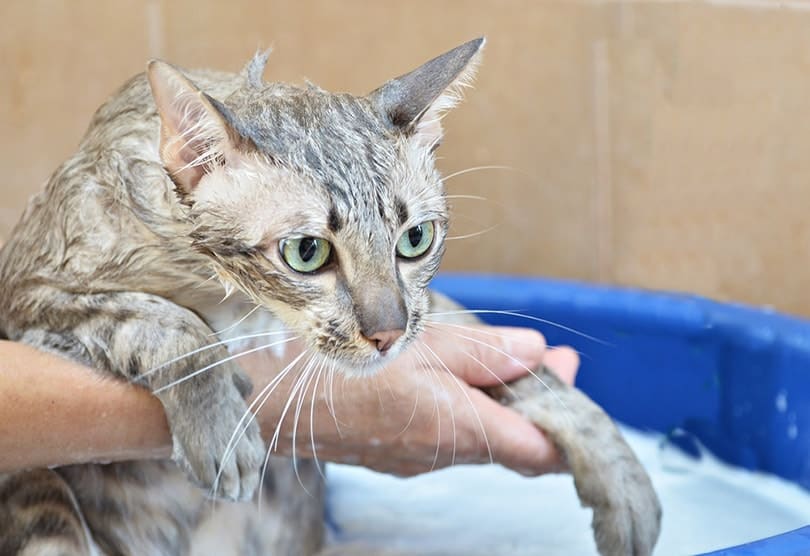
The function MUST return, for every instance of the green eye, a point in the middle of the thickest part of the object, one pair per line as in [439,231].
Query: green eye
[306,254]
[415,241]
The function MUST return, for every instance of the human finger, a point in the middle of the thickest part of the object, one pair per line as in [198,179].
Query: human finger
[484,355]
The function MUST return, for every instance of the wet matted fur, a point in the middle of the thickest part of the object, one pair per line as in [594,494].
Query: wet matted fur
[189,186]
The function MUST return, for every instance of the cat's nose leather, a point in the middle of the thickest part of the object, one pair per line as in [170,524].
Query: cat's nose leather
[381,314]
[385,339]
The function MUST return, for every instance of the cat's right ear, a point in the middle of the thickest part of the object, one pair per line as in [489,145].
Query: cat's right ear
[195,135]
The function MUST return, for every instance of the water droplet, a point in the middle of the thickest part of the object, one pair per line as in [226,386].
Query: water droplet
[781,401]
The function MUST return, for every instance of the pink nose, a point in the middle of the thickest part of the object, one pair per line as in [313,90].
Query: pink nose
[385,339]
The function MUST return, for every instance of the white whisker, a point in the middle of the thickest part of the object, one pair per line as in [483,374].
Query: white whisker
[297,417]
[410,419]
[330,397]
[472,234]
[204,283]
[475,169]
[437,325]
[524,367]
[474,358]
[290,398]
[519,315]
[469,400]
[210,346]
[436,409]
[380,402]
[273,444]
[312,419]
[474,197]
[221,362]
[452,419]
[238,322]
[257,403]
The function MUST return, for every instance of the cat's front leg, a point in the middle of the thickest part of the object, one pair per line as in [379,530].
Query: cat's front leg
[607,475]
[170,350]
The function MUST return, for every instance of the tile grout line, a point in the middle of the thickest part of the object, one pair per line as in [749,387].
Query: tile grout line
[154,29]
[603,188]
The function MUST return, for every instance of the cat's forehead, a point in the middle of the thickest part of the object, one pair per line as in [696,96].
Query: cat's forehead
[361,169]
[337,139]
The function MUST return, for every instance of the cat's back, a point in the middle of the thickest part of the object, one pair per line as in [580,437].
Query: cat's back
[109,200]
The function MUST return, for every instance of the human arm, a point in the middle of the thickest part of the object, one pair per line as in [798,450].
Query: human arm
[55,412]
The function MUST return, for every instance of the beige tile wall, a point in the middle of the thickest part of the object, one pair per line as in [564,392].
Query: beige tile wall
[654,144]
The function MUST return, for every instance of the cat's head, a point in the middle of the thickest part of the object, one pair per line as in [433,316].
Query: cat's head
[326,208]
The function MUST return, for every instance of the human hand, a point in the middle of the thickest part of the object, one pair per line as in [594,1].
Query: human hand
[424,411]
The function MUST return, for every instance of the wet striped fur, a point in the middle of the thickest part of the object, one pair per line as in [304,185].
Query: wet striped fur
[182,192]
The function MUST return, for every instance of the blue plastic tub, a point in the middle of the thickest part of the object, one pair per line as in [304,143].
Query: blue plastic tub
[735,378]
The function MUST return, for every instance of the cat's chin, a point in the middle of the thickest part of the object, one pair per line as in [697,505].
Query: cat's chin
[367,366]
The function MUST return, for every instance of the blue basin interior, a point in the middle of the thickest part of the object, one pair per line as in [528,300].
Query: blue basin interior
[734,378]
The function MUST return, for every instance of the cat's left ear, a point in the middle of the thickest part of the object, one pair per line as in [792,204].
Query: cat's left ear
[415,102]
[195,130]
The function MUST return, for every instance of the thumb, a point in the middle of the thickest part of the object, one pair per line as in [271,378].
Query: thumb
[483,355]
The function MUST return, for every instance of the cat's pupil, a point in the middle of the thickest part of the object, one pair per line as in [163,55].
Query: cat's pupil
[415,235]
[307,248]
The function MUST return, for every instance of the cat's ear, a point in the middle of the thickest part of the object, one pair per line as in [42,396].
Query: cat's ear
[195,133]
[415,102]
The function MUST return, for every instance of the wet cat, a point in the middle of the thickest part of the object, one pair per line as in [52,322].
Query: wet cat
[323,209]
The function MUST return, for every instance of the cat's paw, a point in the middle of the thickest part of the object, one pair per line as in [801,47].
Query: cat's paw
[607,475]
[218,444]
[626,511]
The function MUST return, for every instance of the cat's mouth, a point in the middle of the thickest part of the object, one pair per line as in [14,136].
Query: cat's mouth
[353,352]
[371,364]
[365,359]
